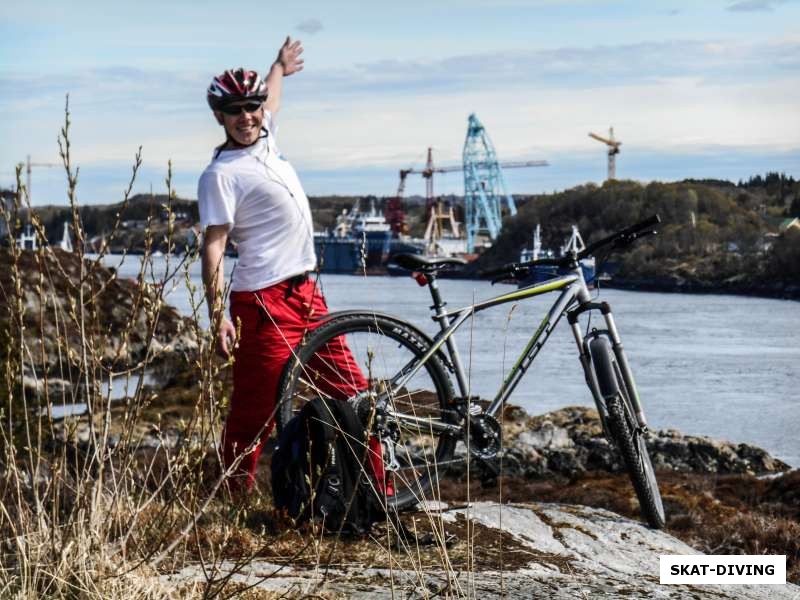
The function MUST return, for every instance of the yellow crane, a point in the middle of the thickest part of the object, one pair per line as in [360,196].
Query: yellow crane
[613,150]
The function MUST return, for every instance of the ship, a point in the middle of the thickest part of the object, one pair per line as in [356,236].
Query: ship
[359,242]
[540,273]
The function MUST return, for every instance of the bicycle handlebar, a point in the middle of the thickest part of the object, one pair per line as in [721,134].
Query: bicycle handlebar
[620,239]
[623,238]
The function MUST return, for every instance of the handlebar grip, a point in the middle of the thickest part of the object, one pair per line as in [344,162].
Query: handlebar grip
[648,223]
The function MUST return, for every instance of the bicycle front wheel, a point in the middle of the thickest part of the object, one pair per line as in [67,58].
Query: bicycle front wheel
[342,354]
[625,432]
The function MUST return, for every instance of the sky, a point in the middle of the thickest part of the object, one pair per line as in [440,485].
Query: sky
[693,89]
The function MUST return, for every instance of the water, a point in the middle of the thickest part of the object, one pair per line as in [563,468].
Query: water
[721,366]
[116,389]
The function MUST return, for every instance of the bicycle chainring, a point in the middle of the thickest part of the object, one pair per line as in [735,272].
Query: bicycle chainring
[485,436]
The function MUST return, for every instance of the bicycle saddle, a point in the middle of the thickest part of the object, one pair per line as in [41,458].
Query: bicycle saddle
[417,262]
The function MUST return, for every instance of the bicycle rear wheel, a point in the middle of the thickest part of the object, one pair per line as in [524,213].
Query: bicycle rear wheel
[382,349]
[625,432]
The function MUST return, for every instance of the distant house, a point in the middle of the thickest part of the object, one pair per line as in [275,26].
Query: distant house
[27,239]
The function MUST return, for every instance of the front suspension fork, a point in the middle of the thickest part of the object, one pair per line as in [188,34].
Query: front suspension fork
[612,334]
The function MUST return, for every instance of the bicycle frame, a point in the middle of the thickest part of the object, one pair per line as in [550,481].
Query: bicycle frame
[573,292]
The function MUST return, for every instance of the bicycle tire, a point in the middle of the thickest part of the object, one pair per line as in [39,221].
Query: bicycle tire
[622,428]
[378,339]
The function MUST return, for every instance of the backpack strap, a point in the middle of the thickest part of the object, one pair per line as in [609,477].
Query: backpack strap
[321,418]
[290,491]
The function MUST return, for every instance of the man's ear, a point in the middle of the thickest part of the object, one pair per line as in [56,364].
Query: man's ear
[218,116]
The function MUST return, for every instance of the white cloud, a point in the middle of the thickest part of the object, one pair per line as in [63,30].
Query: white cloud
[310,26]
[755,5]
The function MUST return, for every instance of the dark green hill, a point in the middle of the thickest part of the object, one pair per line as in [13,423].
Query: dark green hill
[714,237]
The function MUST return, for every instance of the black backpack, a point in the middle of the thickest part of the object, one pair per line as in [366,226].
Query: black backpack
[320,469]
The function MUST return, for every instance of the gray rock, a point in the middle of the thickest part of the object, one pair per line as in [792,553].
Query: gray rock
[574,552]
[548,437]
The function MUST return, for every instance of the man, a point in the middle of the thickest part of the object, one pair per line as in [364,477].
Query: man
[251,193]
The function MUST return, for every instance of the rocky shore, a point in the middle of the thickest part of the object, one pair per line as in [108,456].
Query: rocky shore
[66,308]
[569,442]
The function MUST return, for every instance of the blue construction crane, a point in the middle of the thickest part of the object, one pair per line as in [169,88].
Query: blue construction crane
[484,186]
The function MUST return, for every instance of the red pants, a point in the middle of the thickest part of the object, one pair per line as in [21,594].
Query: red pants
[273,322]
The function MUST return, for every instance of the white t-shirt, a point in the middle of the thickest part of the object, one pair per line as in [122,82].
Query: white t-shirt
[256,192]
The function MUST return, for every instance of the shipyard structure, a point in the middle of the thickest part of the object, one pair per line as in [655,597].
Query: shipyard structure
[365,237]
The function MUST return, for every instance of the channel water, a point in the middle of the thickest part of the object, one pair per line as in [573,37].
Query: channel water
[715,365]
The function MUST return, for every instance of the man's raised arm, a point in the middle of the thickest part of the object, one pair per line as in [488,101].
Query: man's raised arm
[287,63]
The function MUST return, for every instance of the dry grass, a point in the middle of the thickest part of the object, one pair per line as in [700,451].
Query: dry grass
[83,516]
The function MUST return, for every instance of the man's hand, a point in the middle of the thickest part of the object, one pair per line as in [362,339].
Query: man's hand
[289,56]
[287,63]
[226,336]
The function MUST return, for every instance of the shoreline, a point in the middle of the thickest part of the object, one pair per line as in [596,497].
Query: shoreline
[776,291]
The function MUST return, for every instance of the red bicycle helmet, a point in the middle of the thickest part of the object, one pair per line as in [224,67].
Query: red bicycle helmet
[234,85]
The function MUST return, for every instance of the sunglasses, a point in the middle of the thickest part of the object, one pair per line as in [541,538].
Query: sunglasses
[237,109]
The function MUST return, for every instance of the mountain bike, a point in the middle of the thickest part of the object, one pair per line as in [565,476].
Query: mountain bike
[411,405]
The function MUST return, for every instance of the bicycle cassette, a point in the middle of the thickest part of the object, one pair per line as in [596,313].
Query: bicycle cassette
[485,436]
